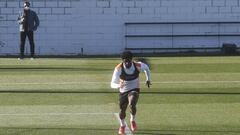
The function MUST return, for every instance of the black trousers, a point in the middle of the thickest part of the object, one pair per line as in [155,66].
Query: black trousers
[23,36]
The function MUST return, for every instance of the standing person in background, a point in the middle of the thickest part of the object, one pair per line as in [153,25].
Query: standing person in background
[29,23]
[126,79]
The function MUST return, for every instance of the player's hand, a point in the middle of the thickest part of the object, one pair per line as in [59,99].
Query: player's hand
[148,83]
[22,19]
[121,84]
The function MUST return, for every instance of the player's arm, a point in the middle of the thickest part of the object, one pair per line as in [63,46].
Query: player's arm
[145,68]
[115,83]
[20,19]
[36,20]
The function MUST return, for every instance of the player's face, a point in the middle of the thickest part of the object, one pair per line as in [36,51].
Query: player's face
[127,63]
[26,7]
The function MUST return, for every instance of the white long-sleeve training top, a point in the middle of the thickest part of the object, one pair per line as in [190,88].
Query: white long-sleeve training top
[123,85]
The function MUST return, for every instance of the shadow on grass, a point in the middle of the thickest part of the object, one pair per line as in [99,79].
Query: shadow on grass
[180,132]
[66,130]
[53,69]
[53,131]
[111,92]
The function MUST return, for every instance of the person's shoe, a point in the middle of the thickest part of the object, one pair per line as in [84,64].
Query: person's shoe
[31,58]
[20,58]
[133,126]
[121,130]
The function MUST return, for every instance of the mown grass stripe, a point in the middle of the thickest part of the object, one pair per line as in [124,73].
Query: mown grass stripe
[80,82]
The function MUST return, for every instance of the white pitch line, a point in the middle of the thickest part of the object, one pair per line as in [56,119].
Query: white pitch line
[50,114]
[160,82]
[54,83]
[128,131]
[195,82]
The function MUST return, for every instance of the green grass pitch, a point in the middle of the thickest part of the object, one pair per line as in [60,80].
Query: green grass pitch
[189,96]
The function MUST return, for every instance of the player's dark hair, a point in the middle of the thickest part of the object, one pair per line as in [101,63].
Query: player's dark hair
[126,55]
[27,3]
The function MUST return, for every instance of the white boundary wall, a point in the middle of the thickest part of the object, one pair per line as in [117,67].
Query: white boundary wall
[72,27]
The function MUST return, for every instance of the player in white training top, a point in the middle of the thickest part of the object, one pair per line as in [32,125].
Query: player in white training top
[126,79]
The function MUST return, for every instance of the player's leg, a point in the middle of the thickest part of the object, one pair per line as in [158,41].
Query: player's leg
[22,44]
[31,42]
[123,103]
[133,99]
